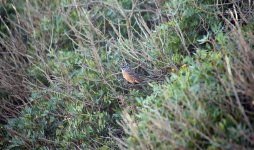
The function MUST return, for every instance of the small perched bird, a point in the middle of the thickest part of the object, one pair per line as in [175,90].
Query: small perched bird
[129,74]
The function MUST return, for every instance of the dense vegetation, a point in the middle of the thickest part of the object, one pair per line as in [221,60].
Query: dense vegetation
[61,85]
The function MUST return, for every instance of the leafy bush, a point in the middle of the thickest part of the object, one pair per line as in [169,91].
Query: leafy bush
[200,106]
[65,90]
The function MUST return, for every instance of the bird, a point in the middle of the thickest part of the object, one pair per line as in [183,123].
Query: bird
[129,74]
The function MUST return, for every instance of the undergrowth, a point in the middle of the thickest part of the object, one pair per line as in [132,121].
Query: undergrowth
[61,85]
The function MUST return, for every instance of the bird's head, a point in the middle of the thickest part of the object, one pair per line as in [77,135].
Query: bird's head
[125,67]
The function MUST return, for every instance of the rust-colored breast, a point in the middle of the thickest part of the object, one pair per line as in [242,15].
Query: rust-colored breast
[130,77]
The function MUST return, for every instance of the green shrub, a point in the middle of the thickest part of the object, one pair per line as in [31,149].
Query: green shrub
[191,110]
[65,58]
[204,105]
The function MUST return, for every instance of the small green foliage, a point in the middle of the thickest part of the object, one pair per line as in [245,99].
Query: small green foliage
[63,88]
[180,109]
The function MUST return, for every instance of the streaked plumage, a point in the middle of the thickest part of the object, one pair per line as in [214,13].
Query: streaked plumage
[129,74]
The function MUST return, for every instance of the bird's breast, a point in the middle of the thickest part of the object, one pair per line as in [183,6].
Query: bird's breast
[129,77]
